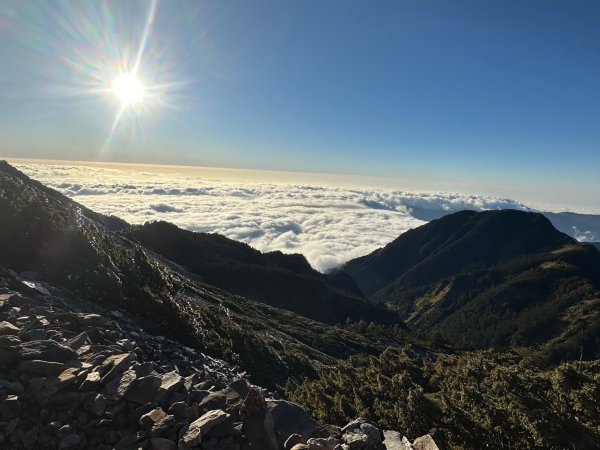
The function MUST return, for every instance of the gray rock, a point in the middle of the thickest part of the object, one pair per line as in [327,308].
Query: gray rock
[322,443]
[241,386]
[362,434]
[92,381]
[10,350]
[156,422]
[142,369]
[78,341]
[226,399]
[144,390]
[180,410]
[252,413]
[68,377]
[326,431]
[425,443]
[170,382]
[120,385]
[203,425]
[395,441]
[47,350]
[43,368]
[7,328]
[284,418]
[114,365]
[36,334]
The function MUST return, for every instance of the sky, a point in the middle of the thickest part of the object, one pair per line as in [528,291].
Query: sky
[499,95]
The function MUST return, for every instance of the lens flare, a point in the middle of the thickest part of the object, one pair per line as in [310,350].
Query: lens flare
[108,59]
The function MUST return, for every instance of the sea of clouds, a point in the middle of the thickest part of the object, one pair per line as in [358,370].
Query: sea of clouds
[327,224]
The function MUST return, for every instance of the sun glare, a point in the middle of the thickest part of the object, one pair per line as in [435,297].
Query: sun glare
[128,89]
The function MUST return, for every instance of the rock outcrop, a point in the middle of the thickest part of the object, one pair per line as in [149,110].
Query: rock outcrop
[71,378]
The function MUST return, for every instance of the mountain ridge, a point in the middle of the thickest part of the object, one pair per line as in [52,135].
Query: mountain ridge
[282,280]
[491,279]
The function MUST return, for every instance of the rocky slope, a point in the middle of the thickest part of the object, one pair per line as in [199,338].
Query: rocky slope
[76,376]
[491,279]
[48,234]
[277,279]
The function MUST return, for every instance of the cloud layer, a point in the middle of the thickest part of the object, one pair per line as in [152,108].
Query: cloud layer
[329,225]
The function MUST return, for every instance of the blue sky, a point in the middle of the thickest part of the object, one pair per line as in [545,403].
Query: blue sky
[493,93]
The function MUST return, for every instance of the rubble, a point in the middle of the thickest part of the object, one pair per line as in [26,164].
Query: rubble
[72,380]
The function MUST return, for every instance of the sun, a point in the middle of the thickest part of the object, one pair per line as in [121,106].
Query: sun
[128,89]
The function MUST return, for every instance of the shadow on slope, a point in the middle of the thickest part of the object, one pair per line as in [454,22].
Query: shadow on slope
[277,279]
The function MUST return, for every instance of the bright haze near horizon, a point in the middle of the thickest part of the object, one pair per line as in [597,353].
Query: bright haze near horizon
[494,99]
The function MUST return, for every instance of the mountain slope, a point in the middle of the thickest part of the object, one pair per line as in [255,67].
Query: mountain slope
[277,279]
[46,233]
[495,278]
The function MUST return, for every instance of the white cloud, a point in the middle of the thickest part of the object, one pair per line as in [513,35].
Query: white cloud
[329,225]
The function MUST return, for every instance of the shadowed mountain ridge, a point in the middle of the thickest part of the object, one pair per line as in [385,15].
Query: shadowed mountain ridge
[491,279]
[280,280]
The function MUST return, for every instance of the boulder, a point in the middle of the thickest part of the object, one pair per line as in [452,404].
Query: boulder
[10,350]
[284,418]
[241,386]
[8,329]
[395,441]
[201,426]
[425,443]
[47,350]
[92,381]
[170,382]
[144,390]
[362,434]
[322,443]
[181,410]
[121,384]
[37,334]
[156,422]
[77,341]
[43,368]
[114,365]
[68,376]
